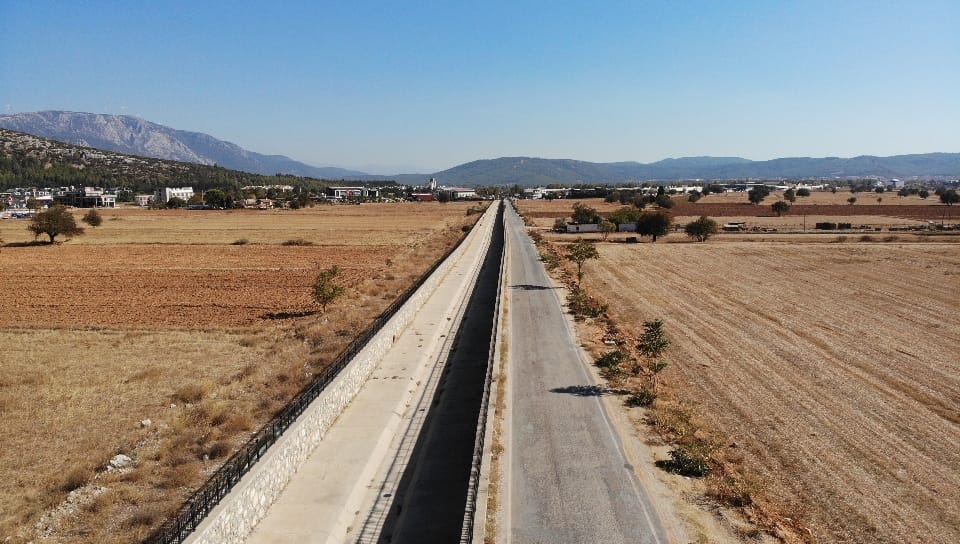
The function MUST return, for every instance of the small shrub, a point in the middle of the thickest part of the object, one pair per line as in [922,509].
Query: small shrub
[867,238]
[689,460]
[672,420]
[220,448]
[550,261]
[142,517]
[76,478]
[642,398]
[536,237]
[92,218]
[611,359]
[238,423]
[826,225]
[841,239]
[297,242]
[182,475]
[891,238]
[101,502]
[190,393]
[241,242]
[465,228]
[582,305]
[560,225]
[730,490]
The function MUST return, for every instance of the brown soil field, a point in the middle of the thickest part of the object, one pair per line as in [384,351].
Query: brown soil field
[158,315]
[831,370]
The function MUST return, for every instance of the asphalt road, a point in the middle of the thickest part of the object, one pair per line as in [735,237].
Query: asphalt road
[567,477]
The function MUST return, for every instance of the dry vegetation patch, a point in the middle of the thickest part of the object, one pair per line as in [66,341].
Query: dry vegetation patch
[156,336]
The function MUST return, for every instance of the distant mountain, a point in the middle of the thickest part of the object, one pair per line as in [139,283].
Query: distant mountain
[135,136]
[529,171]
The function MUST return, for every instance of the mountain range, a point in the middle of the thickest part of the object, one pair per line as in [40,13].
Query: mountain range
[135,136]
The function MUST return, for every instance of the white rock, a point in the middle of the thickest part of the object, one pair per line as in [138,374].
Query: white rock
[120,460]
[146,423]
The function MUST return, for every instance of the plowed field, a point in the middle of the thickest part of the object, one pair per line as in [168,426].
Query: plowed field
[192,286]
[170,336]
[834,369]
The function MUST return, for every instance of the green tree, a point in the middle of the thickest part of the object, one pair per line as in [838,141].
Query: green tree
[950,197]
[34,204]
[54,222]
[580,252]
[702,228]
[92,218]
[923,193]
[852,200]
[694,196]
[790,196]
[585,214]
[803,191]
[624,214]
[664,201]
[653,224]
[326,289]
[217,198]
[606,227]
[176,202]
[758,193]
[780,207]
[653,343]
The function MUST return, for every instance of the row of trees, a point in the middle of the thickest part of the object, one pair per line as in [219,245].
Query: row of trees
[653,224]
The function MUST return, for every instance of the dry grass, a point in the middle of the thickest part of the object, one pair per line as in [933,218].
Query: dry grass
[832,368]
[82,368]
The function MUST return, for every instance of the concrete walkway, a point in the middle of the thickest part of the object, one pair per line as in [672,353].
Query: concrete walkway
[321,503]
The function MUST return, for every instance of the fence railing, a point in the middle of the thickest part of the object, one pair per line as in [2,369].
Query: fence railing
[196,508]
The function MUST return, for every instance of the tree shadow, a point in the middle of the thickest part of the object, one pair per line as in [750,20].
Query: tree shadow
[288,315]
[29,244]
[528,287]
[582,390]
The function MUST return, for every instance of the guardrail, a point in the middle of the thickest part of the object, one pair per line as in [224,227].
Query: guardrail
[202,502]
[469,515]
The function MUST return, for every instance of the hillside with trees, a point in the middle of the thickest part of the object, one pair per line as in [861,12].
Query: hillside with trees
[31,161]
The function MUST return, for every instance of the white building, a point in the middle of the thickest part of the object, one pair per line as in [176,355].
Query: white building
[184,193]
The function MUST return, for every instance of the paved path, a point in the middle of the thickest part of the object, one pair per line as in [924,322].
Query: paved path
[322,502]
[567,477]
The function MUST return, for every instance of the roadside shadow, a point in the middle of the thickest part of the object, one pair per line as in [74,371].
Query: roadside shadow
[287,315]
[582,390]
[528,287]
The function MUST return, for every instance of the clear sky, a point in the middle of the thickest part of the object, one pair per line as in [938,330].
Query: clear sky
[404,86]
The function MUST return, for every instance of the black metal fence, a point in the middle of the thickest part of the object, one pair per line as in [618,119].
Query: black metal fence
[196,508]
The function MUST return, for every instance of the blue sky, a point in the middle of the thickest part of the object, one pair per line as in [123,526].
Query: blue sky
[391,87]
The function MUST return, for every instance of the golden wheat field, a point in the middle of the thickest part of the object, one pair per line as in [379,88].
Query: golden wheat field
[170,336]
[831,370]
